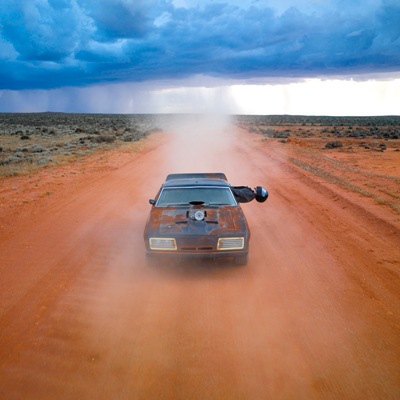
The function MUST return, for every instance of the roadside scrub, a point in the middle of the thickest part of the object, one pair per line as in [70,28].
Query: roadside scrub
[336,180]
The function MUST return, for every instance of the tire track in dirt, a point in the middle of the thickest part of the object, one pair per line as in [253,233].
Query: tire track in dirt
[297,322]
[341,218]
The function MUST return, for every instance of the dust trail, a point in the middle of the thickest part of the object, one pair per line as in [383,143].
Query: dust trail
[210,143]
[199,143]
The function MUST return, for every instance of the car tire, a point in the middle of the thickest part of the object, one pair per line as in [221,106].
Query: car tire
[241,260]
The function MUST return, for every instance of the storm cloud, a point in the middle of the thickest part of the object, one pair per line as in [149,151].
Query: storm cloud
[48,44]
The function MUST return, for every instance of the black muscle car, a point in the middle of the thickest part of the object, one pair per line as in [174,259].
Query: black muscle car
[198,215]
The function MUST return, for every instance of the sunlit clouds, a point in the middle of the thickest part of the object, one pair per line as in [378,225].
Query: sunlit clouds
[320,97]
[307,97]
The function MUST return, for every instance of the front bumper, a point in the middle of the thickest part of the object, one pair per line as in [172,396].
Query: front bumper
[201,246]
[197,254]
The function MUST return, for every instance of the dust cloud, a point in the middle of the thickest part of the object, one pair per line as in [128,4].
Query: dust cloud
[198,143]
[184,328]
[202,143]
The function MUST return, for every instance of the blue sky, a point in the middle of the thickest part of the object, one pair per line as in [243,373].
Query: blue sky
[61,53]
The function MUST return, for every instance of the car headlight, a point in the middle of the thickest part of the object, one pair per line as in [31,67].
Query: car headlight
[162,244]
[231,243]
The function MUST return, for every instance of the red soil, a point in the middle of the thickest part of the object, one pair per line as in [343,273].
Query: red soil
[314,315]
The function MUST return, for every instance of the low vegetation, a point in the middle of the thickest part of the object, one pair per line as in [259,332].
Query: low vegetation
[340,150]
[29,142]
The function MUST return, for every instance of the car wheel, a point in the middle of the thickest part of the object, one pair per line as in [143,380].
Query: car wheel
[241,260]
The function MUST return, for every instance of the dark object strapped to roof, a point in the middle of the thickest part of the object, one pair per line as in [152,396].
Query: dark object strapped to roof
[261,194]
[243,194]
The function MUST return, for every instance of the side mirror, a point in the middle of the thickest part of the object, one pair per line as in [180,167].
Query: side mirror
[152,202]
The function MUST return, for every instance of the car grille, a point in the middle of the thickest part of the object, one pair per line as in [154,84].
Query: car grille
[192,248]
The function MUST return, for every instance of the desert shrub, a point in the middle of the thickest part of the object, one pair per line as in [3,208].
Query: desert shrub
[24,137]
[333,145]
[12,159]
[281,135]
[131,138]
[43,160]
[36,148]
[102,139]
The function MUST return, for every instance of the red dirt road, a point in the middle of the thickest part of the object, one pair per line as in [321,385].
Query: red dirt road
[314,315]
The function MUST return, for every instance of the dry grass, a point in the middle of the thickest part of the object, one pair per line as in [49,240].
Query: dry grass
[336,180]
[51,134]
[29,166]
[395,195]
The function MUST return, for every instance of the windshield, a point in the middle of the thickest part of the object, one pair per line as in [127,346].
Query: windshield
[182,196]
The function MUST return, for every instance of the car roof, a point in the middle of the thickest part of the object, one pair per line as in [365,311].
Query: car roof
[212,175]
[207,179]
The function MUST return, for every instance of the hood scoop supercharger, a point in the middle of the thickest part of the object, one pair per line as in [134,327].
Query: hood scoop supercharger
[196,213]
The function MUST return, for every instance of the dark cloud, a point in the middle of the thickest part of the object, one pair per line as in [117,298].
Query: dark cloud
[115,19]
[60,43]
[39,32]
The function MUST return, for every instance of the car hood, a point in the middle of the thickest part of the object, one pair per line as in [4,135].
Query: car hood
[218,220]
